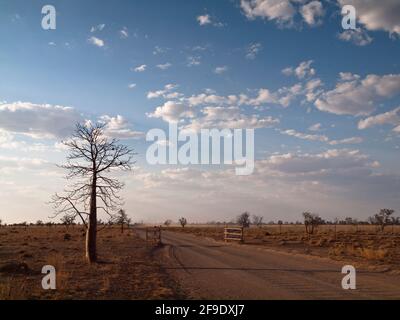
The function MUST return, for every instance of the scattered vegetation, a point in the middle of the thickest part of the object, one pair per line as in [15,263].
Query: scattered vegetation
[183,222]
[244,220]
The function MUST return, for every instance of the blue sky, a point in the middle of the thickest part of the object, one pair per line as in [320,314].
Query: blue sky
[318,96]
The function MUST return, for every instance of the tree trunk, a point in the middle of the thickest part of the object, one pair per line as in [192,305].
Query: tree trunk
[91,233]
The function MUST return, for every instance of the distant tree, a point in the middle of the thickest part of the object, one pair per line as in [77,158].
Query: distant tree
[122,219]
[280,223]
[183,222]
[383,218]
[1,222]
[167,223]
[311,221]
[244,220]
[257,220]
[39,223]
[68,220]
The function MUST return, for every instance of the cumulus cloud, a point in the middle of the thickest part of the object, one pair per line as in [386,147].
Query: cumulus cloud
[167,92]
[228,118]
[359,37]
[304,70]
[118,127]
[38,120]
[390,117]
[206,19]
[312,13]
[172,111]
[96,42]
[280,11]
[377,15]
[359,97]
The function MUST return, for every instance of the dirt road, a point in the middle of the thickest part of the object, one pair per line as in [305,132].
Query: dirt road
[214,270]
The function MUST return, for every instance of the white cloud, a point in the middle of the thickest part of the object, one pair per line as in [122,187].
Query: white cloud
[193,61]
[359,97]
[306,136]
[167,92]
[99,27]
[38,120]
[96,42]
[281,11]
[352,140]
[312,13]
[377,15]
[204,19]
[304,70]
[359,37]
[172,112]
[390,117]
[132,86]
[164,66]
[315,127]
[228,118]
[221,70]
[118,127]
[141,68]
[124,33]
[253,50]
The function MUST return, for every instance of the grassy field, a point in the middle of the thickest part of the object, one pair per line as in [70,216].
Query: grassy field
[364,244]
[126,269]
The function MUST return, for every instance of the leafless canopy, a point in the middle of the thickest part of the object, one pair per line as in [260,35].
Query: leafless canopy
[92,156]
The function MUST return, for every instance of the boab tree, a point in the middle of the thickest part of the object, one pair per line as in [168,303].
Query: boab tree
[92,158]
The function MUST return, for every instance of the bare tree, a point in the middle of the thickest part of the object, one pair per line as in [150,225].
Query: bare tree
[92,157]
[68,220]
[311,221]
[383,218]
[122,219]
[244,220]
[257,220]
[167,223]
[183,222]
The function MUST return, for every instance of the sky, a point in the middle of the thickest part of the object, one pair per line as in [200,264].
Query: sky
[324,102]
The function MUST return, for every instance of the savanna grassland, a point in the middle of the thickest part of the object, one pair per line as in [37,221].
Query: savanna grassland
[363,245]
[126,268]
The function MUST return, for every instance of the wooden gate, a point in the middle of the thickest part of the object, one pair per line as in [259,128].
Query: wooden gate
[234,234]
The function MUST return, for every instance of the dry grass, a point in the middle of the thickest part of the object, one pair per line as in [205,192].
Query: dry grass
[126,268]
